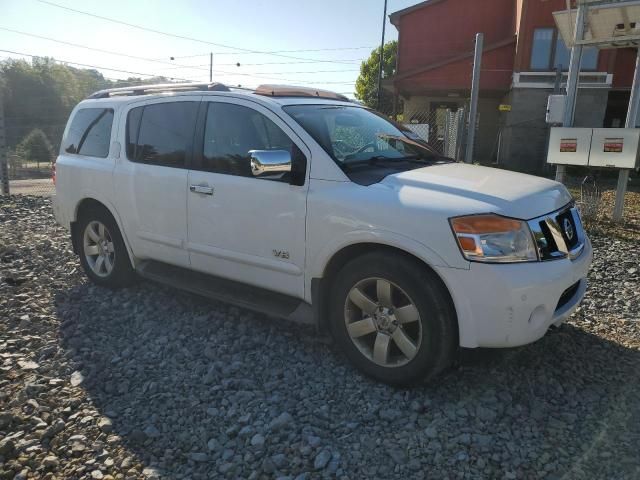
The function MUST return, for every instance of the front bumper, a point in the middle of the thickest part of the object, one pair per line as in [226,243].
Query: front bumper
[507,305]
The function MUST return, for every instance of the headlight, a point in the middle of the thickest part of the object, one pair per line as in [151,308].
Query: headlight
[492,238]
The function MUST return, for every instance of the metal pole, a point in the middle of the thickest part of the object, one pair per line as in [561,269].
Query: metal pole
[632,119]
[475,93]
[573,78]
[384,25]
[210,67]
[4,167]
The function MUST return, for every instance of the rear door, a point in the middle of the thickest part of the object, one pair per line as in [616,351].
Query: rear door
[151,179]
[243,227]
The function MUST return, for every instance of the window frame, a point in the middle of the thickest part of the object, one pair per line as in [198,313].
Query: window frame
[188,162]
[300,166]
[63,144]
[552,55]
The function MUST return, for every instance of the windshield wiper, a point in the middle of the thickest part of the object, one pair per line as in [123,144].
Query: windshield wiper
[378,159]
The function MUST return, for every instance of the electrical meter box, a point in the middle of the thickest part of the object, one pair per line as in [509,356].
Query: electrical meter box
[569,146]
[614,148]
[555,108]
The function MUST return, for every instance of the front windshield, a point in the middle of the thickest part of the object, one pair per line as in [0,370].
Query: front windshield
[356,135]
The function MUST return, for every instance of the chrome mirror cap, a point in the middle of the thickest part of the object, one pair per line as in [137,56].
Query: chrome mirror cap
[269,162]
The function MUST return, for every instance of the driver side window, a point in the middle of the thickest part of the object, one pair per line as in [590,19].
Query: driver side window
[231,131]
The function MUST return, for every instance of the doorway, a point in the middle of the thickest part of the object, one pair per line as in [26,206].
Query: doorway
[616,113]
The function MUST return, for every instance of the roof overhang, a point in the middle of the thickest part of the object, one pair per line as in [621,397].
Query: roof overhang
[395,16]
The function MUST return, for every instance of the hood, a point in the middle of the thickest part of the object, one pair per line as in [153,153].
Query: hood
[471,189]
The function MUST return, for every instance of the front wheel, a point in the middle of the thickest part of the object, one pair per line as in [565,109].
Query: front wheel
[103,254]
[393,318]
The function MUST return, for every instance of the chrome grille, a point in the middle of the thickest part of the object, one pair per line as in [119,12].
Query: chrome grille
[559,234]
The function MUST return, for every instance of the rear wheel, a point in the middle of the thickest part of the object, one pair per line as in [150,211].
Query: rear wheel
[103,254]
[393,318]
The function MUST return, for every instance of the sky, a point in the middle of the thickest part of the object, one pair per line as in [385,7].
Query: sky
[317,43]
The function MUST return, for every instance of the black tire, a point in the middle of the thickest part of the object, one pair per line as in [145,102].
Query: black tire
[436,337]
[122,273]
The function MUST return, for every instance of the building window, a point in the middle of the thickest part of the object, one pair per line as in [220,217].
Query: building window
[549,52]
[541,49]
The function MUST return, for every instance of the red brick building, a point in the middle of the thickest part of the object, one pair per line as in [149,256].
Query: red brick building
[522,50]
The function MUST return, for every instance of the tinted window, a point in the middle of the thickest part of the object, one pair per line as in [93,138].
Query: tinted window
[589,58]
[541,50]
[164,135]
[231,131]
[563,56]
[90,132]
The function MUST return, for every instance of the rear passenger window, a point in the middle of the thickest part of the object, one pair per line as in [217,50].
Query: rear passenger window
[231,131]
[90,132]
[161,134]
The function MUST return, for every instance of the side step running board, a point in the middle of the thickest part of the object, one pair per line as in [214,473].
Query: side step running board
[216,288]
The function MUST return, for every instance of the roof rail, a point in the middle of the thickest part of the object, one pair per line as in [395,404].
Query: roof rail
[291,91]
[159,88]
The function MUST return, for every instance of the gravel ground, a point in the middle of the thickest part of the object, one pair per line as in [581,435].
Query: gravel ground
[149,382]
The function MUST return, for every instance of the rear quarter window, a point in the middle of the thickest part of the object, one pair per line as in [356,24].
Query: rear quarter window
[89,133]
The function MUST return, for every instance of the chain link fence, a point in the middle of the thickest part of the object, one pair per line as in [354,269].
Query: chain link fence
[28,176]
[26,168]
[442,126]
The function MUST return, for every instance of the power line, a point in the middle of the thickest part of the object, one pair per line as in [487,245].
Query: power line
[307,71]
[352,63]
[347,62]
[92,66]
[222,72]
[279,51]
[268,73]
[182,37]
[110,52]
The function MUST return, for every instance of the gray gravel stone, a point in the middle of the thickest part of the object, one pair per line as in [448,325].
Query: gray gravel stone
[322,459]
[142,352]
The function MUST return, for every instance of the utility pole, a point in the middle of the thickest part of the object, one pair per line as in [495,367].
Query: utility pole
[632,119]
[475,93]
[573,78]
[384,24]
[210,67]
[4,167]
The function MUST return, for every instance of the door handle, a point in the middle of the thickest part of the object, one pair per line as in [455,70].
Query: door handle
[201,189]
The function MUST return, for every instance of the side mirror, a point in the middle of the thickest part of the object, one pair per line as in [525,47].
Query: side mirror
[269,162]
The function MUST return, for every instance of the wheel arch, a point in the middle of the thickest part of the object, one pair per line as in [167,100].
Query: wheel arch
[320,286]
[91,203]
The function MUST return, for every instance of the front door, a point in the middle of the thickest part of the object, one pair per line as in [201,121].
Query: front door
[241,227]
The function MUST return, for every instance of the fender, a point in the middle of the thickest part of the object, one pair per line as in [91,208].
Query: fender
[86,195]
[319,260]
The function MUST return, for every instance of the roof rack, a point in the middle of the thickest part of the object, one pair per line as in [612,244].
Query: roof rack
[291,91]
[159,88]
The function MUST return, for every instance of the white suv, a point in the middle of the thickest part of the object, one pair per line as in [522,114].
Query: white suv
[301,204]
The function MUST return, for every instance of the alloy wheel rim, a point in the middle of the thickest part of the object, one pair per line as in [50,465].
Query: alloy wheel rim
[383,322]
[99,250]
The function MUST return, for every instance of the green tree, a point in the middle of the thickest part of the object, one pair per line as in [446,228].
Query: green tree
[35,147]
[367,82]
[41,94]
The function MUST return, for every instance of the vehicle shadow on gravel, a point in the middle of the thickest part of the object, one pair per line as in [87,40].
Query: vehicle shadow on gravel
[198,389]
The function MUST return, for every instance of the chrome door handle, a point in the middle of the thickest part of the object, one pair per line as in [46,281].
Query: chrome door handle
[201,189]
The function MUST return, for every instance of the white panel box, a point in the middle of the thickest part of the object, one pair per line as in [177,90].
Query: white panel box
[569,146]
[614,147]
[555,108]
